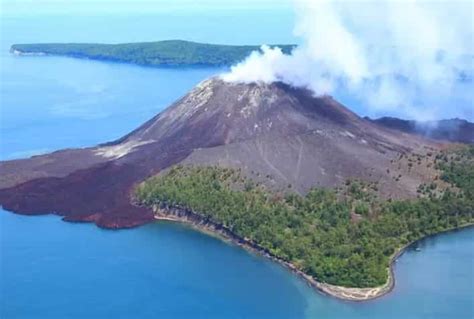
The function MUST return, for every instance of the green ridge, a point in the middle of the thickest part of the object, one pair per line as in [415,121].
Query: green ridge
[161,53]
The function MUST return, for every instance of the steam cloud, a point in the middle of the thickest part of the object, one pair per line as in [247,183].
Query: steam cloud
[406,56]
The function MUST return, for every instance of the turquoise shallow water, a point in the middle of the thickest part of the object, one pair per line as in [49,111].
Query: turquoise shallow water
[52,269]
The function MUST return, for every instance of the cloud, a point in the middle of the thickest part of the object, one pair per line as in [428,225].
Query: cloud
[402,55]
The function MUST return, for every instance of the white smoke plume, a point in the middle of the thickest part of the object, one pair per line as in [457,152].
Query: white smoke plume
[405,55]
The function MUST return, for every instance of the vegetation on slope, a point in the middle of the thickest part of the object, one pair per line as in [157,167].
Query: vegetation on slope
[343,237]
[161,53]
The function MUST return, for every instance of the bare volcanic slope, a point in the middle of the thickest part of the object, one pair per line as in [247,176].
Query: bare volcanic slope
[453,130]
[280,135]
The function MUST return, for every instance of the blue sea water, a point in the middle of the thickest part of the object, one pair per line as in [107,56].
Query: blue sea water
[53,269]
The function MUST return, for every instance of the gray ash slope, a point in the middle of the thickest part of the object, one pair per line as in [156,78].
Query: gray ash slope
[287,134]
[276,134]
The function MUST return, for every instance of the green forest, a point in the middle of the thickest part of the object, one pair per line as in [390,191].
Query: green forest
[344,236]
[160,53]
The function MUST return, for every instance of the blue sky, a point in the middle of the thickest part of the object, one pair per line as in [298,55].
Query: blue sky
[63,20]
[35,7]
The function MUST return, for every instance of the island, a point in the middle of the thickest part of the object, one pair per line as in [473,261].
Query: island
[297,178]
[168,53]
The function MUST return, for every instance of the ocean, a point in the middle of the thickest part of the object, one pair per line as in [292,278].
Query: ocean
[53,269]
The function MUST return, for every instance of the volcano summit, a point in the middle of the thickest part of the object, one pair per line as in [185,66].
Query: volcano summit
[269,129]
[300,179]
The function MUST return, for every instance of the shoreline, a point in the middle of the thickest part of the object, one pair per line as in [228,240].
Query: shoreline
[182,215]
[192,66]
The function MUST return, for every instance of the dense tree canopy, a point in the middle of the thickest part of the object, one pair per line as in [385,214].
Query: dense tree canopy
[161,53]
[343,237]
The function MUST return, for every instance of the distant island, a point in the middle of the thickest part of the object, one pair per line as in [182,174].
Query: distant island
[159,53]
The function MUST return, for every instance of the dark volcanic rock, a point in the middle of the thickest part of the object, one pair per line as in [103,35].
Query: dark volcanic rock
[271,130]
[454,130]
[99,194]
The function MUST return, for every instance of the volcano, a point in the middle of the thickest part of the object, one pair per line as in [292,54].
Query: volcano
[282,136]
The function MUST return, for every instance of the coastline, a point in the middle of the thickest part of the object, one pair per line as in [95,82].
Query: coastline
[182,215]
[163,65]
